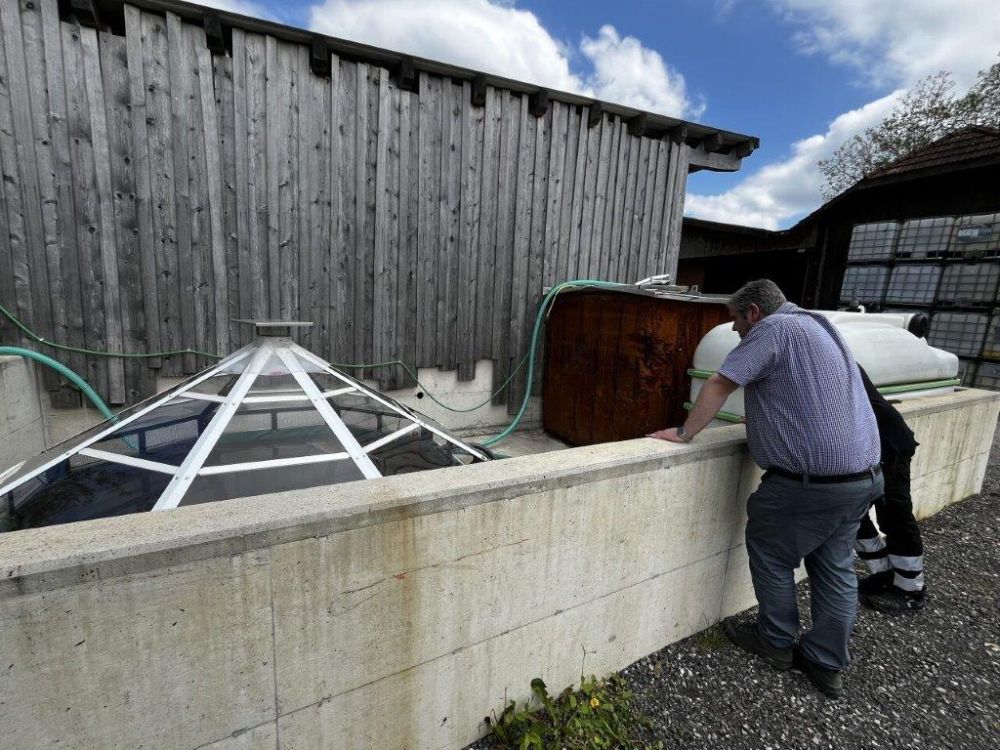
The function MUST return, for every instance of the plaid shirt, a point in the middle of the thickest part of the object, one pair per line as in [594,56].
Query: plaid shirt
[806,407]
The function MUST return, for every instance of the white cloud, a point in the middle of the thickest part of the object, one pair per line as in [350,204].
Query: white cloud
[791,187]
[497,38]
[890,45]
[897,43]
[627,72]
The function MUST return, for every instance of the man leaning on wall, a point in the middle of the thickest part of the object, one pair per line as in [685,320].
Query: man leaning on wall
[811,428]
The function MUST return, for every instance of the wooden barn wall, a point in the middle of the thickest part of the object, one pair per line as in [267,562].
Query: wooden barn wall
[153,191]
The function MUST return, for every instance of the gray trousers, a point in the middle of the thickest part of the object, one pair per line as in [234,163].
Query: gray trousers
[788,521]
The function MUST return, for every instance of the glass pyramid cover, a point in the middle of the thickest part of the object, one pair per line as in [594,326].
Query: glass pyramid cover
[268,418]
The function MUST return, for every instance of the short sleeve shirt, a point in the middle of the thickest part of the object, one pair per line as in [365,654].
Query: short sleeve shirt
[806,407]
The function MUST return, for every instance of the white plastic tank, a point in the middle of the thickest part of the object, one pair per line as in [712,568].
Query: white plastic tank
[898,362]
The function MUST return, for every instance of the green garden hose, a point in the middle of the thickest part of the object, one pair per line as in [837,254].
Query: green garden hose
[65,372]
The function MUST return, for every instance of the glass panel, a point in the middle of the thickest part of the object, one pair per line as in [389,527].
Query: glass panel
[276,385]
[217,385]
[80,489]
[262,482]
[262,432]
[327,382]
[417,451]
[366,418]
[158,441]
[165,434]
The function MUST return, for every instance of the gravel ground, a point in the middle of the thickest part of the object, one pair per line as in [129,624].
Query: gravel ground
[930,680]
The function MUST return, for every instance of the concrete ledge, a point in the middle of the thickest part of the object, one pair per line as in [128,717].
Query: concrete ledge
[395,613]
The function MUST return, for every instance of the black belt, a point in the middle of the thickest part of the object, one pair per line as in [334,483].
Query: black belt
[826,478]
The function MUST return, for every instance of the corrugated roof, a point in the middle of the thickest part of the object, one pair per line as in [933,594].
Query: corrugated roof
[966,145]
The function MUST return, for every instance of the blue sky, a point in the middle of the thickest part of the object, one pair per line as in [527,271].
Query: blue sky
[803,75]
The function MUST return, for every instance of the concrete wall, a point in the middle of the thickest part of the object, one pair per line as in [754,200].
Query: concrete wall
[22,427]
[394,613]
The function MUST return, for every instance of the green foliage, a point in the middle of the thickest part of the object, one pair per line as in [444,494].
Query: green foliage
[598,716]
[711,639]
[926,112]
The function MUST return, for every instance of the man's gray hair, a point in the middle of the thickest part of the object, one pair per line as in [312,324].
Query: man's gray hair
[764,293]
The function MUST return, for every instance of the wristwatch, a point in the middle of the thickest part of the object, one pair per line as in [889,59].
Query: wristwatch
[684,434]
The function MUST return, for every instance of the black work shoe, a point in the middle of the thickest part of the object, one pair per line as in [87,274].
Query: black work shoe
[895,601]
[745,636]
[828,681]
[876,583]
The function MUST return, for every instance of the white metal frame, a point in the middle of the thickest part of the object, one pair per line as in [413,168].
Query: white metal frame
[305,354]
[188,470]
[118,458]
[344,435]
[182,390]
[299,363]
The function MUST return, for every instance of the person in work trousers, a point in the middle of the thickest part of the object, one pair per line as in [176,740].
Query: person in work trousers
[896,584]
[811,427]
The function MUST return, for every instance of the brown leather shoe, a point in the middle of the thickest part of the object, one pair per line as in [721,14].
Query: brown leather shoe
[746,636]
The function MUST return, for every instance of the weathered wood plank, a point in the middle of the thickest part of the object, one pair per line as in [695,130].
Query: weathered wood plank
[646,259]
[315,223]
[241,154]
[451,192]
[429,227]
[566,200]
[554,192]
[14,277]
[343,153]
[609,162]
[576,214]
[616,203]
[214,176]
[259,272]
[87,206]
[359,266]
[105,212]
[472,156]
[223,75]
[277,102]
[17,74]
[634,272]
[524,204]
[673,238]
[591,151]
[485,276]
[659,196]
[198,199]
[135,41]
[628,207]
[409,209]
[536,262]
[386,225]
[506,222]
[377,78]
[41,140]
[179,66]
[282,178]
[307,149]
[117,99]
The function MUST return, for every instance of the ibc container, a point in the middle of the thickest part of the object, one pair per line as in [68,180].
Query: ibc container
[968,284]
[991,345]
[913,284]
[967,371]
[958,333]
[866,284]
[873,241]
[977,236]
[988,376]
[925,238]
